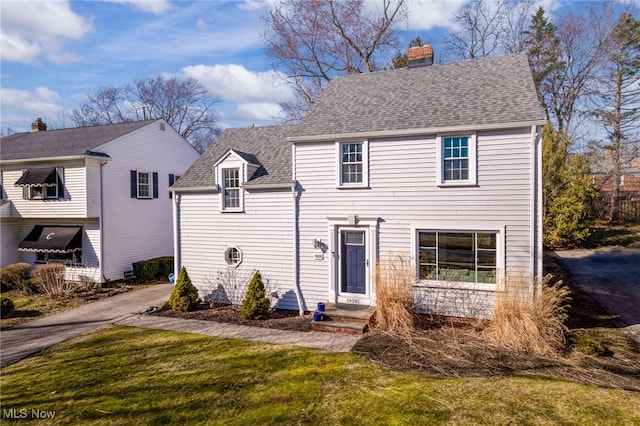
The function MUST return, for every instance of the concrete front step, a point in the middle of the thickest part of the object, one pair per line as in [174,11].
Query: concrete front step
[345,319]
[342,327]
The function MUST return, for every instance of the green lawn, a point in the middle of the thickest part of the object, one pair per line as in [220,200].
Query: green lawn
[123,375]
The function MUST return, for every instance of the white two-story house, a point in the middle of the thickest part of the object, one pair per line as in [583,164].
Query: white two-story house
[439,164]
[95,198]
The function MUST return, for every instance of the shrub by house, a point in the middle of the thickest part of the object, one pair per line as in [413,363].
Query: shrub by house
[184,296]
[256,305]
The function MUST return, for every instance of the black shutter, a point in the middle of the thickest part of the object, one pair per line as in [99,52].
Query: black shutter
[155,185]
[25,189]
[172,179]
[60,173]
[134,184]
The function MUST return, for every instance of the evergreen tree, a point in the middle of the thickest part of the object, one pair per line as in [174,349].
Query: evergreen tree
[567,191]
[543,48]
[617,104]
[255,305]
[184,296]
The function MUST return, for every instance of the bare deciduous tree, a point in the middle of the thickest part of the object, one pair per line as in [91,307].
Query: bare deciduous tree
[184,103]
[313,41]
[482,25]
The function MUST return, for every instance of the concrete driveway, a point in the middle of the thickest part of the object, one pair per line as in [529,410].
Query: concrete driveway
[611,276]
[19,342]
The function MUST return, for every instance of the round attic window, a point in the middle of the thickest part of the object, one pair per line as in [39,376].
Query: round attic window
[233,256]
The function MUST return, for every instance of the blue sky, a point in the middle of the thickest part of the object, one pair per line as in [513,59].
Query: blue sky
[54,53]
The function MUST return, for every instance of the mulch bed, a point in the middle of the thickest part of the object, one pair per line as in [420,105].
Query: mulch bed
[278,319]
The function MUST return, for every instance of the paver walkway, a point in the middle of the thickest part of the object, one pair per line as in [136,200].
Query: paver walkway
[22,341]
[313,339]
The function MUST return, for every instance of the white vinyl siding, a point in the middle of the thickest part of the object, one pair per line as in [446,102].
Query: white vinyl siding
[72,204]
[136,229]
[264,235]
[413,199]
[89,268]
[9,239]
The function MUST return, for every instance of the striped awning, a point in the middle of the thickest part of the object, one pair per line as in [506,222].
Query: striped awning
[53,239]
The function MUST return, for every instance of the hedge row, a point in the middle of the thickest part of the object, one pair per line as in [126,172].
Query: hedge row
[153,269]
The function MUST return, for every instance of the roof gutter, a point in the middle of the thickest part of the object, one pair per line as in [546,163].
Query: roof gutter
[194,189]
[415,132]
[64,158]
[287,185]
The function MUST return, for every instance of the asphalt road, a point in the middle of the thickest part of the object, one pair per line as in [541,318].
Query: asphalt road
[21,341]
[611,276]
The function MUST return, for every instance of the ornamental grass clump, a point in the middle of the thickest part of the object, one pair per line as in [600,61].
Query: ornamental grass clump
[532,325]
[184,296]
[395,278]
[256,305]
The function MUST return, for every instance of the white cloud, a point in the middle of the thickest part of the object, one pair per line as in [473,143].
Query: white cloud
[428,14]
[257,111]
[201,24]
[235,83]
[153,6]
[30,29]
[255,4]
[38,102]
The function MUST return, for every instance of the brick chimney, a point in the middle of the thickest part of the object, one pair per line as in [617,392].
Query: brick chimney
[38,125]
[420,56]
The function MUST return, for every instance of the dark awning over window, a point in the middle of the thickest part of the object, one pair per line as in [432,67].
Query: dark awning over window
[38,177]
[53,239]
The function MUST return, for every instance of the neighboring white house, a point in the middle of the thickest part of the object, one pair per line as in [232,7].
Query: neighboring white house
[95,198]
[439,164]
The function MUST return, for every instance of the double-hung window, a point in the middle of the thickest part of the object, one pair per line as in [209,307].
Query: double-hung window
[144,185]
[457,256]
[457,160]
[352,164]
[231,181]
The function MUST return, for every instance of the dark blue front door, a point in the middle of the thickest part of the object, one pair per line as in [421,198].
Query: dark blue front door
[353,262]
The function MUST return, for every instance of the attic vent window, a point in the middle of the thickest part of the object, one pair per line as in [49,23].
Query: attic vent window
[162,127]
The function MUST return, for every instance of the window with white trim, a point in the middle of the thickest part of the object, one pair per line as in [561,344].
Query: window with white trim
[144,185]
[457,160]
[457,256]
[70,258]
[233,256]
[231,189]
[352,167]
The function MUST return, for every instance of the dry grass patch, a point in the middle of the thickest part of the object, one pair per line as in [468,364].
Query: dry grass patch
[531,326]
[395,277]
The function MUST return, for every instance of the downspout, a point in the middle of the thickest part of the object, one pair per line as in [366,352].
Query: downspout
[176,236]
[102,233]
[539,225]
[296,251]
[534,235]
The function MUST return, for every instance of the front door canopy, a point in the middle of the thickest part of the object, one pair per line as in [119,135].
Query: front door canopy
[53,239]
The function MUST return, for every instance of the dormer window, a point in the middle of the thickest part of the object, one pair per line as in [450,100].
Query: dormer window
[232,171]
[231,189]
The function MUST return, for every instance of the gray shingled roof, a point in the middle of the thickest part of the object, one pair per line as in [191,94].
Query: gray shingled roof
[480,91]
[266,146]
[63,142]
